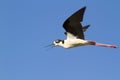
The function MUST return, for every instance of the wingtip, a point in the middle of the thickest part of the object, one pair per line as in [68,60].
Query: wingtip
[86,27]
[84,7]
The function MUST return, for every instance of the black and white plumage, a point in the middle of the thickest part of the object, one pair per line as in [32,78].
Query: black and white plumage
[75,32]
[73,25]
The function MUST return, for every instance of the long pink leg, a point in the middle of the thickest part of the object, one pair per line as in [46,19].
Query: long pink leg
[102,45]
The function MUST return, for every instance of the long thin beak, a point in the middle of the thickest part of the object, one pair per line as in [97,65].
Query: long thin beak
[50,45]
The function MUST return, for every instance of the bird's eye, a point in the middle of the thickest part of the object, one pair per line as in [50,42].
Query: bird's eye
[57,41]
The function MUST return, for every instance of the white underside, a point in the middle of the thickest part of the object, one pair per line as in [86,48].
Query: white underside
[69,43]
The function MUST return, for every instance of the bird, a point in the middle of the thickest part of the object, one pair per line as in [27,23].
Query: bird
[75,32]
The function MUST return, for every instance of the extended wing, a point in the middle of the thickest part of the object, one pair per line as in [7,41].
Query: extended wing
[73,25]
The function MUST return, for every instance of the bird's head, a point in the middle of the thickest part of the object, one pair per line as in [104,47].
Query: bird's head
[58,42]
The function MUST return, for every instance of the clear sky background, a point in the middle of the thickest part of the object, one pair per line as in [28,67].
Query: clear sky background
[27,26]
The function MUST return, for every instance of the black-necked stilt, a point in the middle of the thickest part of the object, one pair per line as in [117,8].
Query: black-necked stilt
[75,32]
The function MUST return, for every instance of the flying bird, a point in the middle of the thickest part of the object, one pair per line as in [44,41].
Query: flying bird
[75,32]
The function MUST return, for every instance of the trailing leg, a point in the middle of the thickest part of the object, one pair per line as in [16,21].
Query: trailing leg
[102,45]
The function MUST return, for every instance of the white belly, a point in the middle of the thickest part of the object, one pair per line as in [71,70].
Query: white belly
[74,43]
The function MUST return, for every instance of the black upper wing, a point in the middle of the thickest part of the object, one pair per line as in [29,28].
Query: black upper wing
[73,25]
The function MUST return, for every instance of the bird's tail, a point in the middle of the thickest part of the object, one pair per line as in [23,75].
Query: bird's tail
[85,28]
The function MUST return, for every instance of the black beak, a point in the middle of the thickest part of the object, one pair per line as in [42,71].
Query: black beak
[50,45]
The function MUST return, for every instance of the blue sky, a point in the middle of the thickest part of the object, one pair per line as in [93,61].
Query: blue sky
[27,26]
